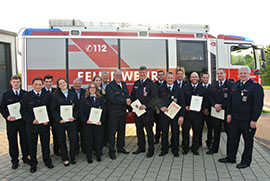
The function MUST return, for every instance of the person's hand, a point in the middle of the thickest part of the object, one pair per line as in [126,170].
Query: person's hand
[99,123]
[62,121]
[164,109]
[253,124]
[218,107]
[128,101]
[142,107]
[88,122]
[35,122]
[187,108]
[11,118]
[71,119]
[229,118]
[46,123]
[206,112]
[180,120]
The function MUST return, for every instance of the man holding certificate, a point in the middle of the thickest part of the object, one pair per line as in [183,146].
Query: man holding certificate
[10,109]
[34,111]
[64,108]
[195,97]
[220,93]
[146,92]
[168,94]
[92,116]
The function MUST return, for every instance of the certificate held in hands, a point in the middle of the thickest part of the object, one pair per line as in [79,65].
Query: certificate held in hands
[218,115]
[14,110]
[66,112]
[196,103]
[173,109]
[95,115]
[135,108]
[41,114]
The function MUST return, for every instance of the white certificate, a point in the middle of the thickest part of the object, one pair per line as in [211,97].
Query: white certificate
[173,109]
[14,110]
[196,103]
[41,114]
[135,108]
[66,112]
[95,115]
[219,115]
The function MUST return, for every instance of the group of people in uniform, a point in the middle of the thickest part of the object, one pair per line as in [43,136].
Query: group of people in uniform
[242,102]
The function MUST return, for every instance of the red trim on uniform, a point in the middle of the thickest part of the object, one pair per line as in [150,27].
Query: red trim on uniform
[92,33]
[182,35]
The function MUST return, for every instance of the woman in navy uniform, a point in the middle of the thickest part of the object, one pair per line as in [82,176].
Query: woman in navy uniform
[62,97]
[93,130]
[14,95]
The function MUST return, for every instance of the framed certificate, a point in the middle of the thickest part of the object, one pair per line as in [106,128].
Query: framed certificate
[41,114]
[14,110]
[135,108]
[173,109]
[66,112]
[196,103]
[95,115]
[218,115]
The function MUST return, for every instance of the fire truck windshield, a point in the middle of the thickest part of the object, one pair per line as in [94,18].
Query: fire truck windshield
[243,56]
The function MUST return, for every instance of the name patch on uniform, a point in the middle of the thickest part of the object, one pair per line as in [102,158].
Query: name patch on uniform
[244,98]
[225,95]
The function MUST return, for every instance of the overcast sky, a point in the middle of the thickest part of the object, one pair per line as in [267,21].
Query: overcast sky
[235,17]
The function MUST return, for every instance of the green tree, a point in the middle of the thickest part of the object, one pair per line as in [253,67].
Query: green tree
[265,76]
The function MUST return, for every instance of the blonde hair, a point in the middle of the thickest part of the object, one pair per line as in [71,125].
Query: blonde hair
[87,94]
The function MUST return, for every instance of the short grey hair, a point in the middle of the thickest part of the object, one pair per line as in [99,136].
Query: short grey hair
[77,79]
[246,68]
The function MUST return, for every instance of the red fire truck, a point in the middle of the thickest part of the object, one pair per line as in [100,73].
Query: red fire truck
[71,48]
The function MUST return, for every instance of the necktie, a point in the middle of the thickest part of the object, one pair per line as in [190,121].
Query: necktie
[38,94]
[180,84]
[93,98]
[220,83]
[16,93]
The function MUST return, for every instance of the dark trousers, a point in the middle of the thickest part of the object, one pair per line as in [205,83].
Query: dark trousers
[229,145]
[13,128]
[80,137]
[158,128]
[145,121]
[238,128]
[55,141]
[116,124]
[216,126]
[94,139]
[195,124]
[71,130]
[208,121]
[43,131]
[165,122]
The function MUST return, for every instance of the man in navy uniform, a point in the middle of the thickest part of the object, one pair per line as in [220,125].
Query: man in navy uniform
[117,97]
[220,92]
[15,126]
[80,94]
[244,109]
[206,118]
[48,82]
[145,91]
[193,118]
[180,82]
[167,94]
[159,82]
[32,99]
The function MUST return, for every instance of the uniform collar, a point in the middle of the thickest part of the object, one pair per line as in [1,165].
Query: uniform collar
[14,91]
[37,92]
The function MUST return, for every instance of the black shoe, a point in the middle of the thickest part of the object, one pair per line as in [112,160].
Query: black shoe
[242,165]
[33,169]
[73,162]
[175,154]
[27,161]
[112,156]
[98,158]
[138,151]
[149,154]
[195,153]
[226,160]
[211,152]
[50,166]
[89,161]
[184,152]
[123,151]
[15,165]
[163,153]
[66,164]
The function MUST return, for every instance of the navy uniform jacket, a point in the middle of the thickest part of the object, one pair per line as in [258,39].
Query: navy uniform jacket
[146,92]
[9,97]
[183,83]
[207,95]
[246,102]
[31,100]
[78,100]
[157,83]
[87,104]
[166,97]
[116,98]
[50,93]
[60,99]
[199,91]
[220,95]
